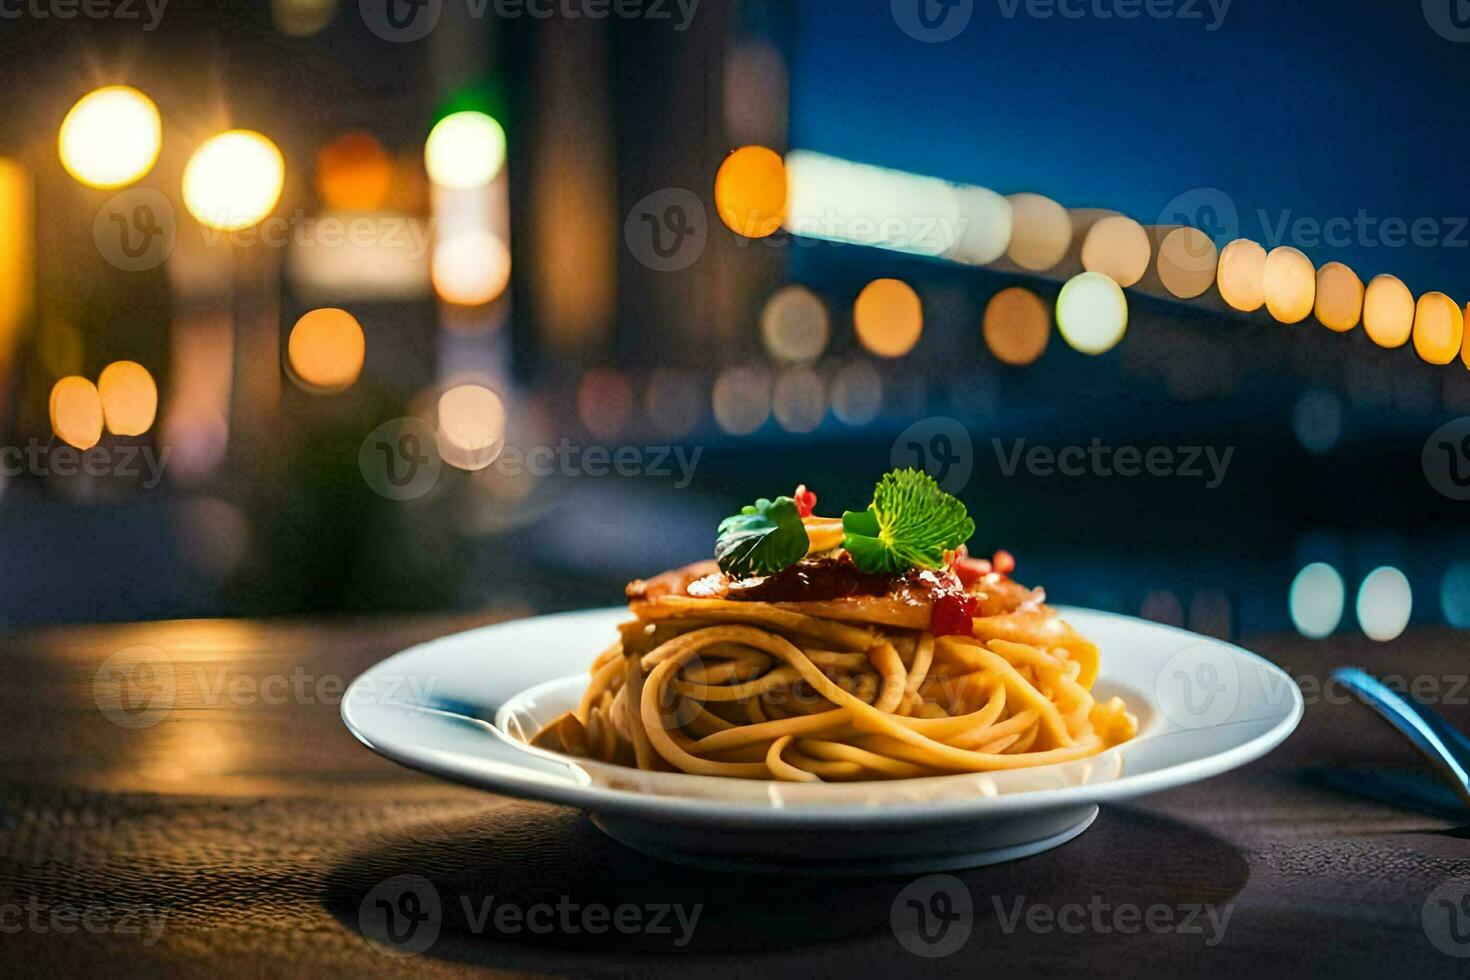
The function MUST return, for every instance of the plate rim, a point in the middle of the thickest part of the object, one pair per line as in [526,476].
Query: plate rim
[524,784]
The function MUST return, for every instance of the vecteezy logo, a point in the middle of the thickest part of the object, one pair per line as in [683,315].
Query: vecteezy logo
[1199,686]
[940,447]
[400,458]
[135,688]
[401,21]
[401,916]
[135,230]
[933,916]
[1446,459]
[1446,917]
[667,230]
[1210,210]
[932,21]
[1449,18]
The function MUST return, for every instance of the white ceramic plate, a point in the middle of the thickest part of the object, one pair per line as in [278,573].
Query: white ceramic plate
[463,706]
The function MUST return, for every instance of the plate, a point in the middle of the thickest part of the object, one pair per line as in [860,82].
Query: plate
[463,706]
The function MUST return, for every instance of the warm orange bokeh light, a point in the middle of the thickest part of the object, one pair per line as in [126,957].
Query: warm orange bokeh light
[1017,326]
[1439,328]
[750,191]
[1241,276]
[1388,311]
[129,398]
[1289,284]
[1339,297]
[888,317]
[76,412]
[1187,261]
[471,269]
[326,350]
[1118,247]
[353,173]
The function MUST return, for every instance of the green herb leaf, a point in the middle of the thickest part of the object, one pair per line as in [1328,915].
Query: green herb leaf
[761,539]
[911,523]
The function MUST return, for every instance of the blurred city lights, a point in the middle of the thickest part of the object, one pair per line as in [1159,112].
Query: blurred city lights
[1317,421]
[799,399]
[1187,262]
[1117,247]
[1041,232]
[1454,594]
[750,191]
[1316,600]
[1388,311]
[111,137]
[215,535]
[741,399]
[471,430]
[841,201]
[888,317]
[986,229]
[673,403]
[471,269]
[1017,326]
[857,394]
[1385,601]
[465,149]
[76,412]
[1289,284]
[605,402]
[1241,275]
[302,18]
[17,256]
[1092,313]
[795,325]
[129,398]
[326,350]
[353,173]
[1439,328]
[234,180]
[1339,297]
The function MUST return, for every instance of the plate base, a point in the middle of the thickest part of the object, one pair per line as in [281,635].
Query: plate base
[869,853]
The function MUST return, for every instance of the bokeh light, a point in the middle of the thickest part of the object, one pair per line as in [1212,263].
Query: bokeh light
[1454,594]
[1041,232]
[742,399]
[1317,421]
[1241,275]
[1388,311]
[471,430]
[1117,247]
[1017,326]
[1316,601]
[1289,284]
[673,403]
[857,394]
[1385,602]
[986,222]
[799,399]
[750,191]
[111,137]
[795,325]
[1187,262]
[215,535]
[1439,328]
[888,317]
[326,350]
[605,402]
[76,412]
[1092,313]
[353,173]
[234,180]
[1339,297]
[465,149]
[470,269]
[302,18]
[129,398]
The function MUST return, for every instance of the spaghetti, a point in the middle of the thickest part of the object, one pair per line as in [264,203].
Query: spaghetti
[823,672]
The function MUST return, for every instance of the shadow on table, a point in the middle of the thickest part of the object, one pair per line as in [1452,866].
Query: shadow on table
[525,885]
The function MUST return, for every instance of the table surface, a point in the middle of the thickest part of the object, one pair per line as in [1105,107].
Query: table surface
[243,831]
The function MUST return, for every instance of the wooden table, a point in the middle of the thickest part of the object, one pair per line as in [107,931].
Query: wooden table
[243,831]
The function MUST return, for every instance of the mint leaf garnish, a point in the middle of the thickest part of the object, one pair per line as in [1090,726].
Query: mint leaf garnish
[761,539]
[911,523]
